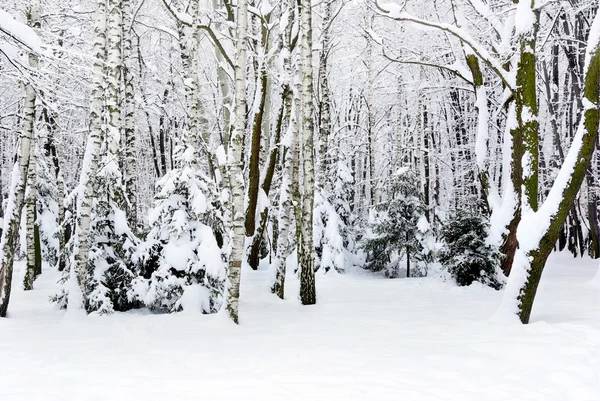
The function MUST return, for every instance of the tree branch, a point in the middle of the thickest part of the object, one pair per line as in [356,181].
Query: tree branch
[396,13]
[206,28]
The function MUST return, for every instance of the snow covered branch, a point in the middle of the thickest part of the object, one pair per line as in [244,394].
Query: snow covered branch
[397,13]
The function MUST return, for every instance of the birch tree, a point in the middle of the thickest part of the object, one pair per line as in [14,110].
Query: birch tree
[284,246]
[235,164]
[128,110]
[16,197]
[97,131]
[32,251]
[306,258]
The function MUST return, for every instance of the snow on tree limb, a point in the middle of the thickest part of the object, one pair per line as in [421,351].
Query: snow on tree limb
[397,13]
[19,32]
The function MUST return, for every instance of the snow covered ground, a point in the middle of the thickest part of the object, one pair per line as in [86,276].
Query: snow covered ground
[368,338]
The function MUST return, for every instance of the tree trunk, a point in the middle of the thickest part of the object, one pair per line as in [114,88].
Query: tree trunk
[236,176]
[30,204]
[130,175]
[284,246]
[306,260]
[533,253]
[16,196]
[79,272]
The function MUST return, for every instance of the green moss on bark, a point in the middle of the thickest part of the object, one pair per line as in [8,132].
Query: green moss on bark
[540,255]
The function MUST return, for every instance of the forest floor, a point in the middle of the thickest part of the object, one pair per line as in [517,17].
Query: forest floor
[368,338]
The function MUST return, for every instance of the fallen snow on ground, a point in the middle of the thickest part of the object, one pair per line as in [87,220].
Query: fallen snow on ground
[368,338]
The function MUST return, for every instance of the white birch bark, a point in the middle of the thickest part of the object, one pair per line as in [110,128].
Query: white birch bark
[10,230]
[33,17]
[114,62]
[224,85]
[286,208]
[325,118]
[371,119]
[16,199]
[189,40]
[130,172]
[79,269]
[307,260]
[235,164]
[30,201]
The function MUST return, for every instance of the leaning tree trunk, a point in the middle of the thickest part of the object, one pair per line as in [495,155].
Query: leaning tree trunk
[236,175]
[79,269]
[306,260]
[539,231]
[254,171]
[16,199]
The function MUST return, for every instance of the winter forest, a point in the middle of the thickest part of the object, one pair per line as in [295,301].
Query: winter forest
[343,199]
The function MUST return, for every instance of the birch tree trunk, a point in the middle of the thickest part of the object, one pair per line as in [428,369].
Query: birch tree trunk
[235,163]
[114,62]
[286,205]
[79,269]
[306,260]
[16,197]
[223,81]
[325,104]
[30,203]
[33,20]
[129,140]
[370,120]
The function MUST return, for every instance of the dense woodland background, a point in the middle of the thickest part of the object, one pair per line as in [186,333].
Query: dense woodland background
[156,146]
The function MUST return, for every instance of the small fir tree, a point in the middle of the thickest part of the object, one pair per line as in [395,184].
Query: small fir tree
[112,263]
[398,228]
[332,219]
[182,258]
[466,254]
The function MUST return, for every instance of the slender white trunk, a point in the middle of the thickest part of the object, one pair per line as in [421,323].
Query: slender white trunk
[224,86]
[79,269]
[30,202]
[16,198]
[14,209]
[325,109]
[130,160]
[235,164]
[307,260]
[33,17]
[371,120]
[284,246]
[114,62]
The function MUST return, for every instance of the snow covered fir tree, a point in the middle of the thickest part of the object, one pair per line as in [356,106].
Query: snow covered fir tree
[466,255]
[398,228]
[181,258]
[189,185]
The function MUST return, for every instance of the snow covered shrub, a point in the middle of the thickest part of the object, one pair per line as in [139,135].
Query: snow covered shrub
[112,263]
[332,219]
[47,208]
[466,255]
[398,228]
[183,267]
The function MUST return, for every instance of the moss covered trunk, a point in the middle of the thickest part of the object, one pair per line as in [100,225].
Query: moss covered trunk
[525,141]
[578,159]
